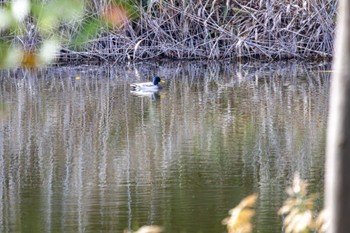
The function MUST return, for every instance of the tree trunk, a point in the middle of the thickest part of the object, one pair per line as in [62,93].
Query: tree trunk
[338,137]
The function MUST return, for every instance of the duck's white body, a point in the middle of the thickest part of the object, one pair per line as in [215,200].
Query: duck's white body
[147,86]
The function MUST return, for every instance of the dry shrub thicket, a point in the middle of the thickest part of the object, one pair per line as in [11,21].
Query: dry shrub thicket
[195,29]
[198,29]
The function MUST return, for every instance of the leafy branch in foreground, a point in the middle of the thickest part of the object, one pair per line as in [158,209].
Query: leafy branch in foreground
[33,32]
[30,30]
[240,217]
[298,210]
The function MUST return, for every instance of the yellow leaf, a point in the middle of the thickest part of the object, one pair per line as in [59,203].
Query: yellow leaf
[115,15]
[150,229]
[29,60]
[248,201]
[304,221]
[322,221]
[240,218]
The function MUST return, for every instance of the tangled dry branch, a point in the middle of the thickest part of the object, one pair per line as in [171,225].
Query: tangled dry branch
[192,29]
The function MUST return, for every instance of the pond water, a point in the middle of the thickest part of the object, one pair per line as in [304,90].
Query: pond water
[80,153]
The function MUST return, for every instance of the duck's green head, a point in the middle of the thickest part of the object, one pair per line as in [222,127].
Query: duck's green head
[157,80]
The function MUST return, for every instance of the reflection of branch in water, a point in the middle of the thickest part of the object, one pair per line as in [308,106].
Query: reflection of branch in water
[128,154]
[88,138]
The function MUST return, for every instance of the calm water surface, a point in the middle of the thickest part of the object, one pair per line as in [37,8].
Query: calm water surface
[80,153]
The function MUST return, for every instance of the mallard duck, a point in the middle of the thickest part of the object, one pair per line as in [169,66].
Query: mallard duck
[148,86]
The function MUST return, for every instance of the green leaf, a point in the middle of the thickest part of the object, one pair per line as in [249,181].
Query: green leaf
[89,29]
[10,56]
[6,19]
[68,10]
[50,15]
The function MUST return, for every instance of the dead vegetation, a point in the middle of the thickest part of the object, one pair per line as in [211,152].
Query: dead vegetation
[198,29]
[192,29]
